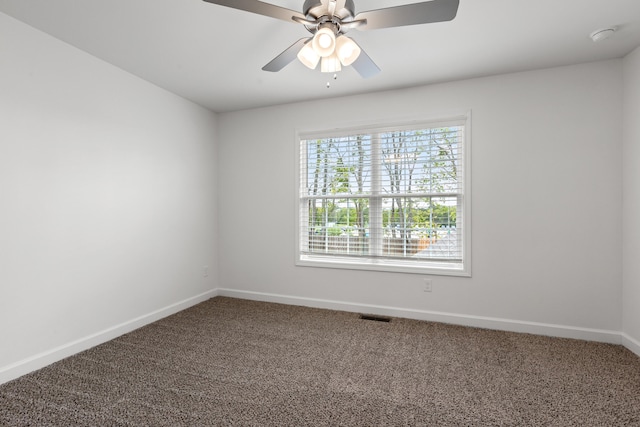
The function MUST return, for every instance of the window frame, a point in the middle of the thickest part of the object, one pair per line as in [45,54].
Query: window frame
[462,269]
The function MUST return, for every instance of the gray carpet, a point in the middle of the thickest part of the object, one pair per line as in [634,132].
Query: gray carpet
[236,362]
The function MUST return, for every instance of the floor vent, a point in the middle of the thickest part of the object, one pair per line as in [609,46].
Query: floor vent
[375,318]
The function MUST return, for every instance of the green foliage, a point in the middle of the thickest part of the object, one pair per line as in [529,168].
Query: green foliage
[334,231]
[436,215]
[444,215]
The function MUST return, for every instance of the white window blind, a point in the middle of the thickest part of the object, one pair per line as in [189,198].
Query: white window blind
[390,198]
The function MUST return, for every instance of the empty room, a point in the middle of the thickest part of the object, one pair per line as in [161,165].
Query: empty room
[331,212]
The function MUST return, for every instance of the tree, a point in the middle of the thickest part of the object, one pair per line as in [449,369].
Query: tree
[400,152]
[349,178]
[441,173]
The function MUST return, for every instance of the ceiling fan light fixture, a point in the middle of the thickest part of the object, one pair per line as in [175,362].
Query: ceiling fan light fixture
[347,50]
[330,64]
[308,56]
[324,42]
[328,20]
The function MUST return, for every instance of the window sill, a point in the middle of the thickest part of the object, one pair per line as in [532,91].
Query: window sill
[393,266]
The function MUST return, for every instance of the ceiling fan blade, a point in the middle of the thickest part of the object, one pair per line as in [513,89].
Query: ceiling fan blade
[365,65]
[286,57]
[410,14]
[261,8]
[306,22]
[352,24]
[340,4]
[331,8]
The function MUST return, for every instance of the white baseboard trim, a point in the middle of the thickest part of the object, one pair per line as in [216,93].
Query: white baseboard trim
[560,331]
[38,361]
[15,370]
[631,343]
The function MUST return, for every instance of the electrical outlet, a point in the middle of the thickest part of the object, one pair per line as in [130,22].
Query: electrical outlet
[427,285]
[205,271]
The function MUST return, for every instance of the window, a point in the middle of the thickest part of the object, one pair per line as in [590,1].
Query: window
[392,198]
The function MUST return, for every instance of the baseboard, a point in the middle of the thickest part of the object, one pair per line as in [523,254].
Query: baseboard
[599,335]
[15,370]
[41,360]
[631,343]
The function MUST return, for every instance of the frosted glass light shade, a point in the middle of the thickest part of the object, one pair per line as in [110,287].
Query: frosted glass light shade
[330,64]
[308,56]
[347,50]
[324,42]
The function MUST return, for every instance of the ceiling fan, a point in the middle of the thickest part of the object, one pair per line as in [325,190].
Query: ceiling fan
[329,20]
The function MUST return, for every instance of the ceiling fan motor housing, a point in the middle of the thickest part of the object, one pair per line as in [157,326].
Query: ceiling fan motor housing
[315,9]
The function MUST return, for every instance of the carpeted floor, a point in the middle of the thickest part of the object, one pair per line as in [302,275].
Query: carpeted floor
[236,362]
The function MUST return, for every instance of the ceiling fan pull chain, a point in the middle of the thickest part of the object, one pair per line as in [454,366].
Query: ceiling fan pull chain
[335,77]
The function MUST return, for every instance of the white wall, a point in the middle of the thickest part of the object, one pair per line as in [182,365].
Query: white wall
[546,177]
[631,201]
[108,200]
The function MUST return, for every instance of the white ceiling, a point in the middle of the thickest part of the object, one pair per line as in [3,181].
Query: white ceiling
[213,55]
